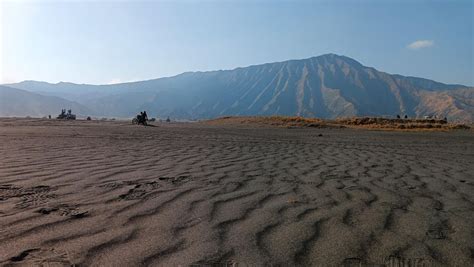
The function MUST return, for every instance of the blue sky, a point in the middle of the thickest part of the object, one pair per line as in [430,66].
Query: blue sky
[103,42]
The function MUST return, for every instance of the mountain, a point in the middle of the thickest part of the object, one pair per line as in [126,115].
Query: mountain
[456,104]
[326,86]
[16,102]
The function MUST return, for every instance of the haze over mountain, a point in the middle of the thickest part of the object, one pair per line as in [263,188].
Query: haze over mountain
[17,102]
[326,86]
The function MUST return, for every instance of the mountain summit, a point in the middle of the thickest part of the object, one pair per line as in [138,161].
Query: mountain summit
[326,86]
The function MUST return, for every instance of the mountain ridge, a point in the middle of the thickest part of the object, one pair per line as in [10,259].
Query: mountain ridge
[326,86]
[223,70]
[18,102]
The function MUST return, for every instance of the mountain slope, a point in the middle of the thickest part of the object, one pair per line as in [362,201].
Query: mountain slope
[16,102]
[458,104]
[327,86]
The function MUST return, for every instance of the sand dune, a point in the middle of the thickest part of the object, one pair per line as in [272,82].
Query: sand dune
[114,194]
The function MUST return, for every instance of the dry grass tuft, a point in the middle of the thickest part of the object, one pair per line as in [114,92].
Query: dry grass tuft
[372,123]
[279,121]
[401,124]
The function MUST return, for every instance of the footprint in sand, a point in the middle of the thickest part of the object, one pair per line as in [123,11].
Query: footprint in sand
[29,196]
[9,191]
[176,180]
[41,257]
[438,230]
[64,210]
[140,190]
[112,185]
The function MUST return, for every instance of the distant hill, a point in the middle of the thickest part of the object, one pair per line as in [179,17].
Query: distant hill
[20,103]
[326,86]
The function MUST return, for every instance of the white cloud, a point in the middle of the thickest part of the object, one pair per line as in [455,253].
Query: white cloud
[419,44]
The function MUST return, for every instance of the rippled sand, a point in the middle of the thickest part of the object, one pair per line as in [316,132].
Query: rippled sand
[114,194]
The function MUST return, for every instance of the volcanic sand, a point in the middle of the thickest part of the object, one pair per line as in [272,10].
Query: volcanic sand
[115,194]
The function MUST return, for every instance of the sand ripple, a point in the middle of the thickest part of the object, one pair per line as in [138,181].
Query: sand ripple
[114,194]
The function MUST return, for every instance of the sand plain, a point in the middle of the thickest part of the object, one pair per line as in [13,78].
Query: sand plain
[97,193]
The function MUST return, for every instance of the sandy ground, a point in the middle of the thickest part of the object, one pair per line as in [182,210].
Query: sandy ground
[114,194]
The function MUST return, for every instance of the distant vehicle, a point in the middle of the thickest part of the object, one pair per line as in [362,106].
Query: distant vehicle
[430,117]
[66,116]
[141,118]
